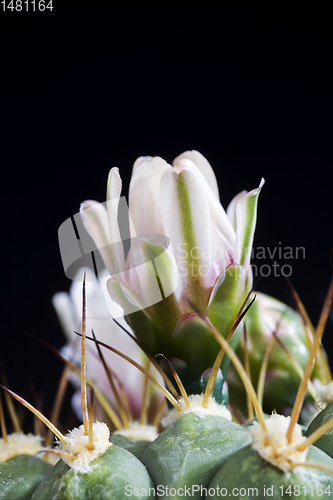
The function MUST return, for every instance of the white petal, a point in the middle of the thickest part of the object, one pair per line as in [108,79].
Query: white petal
[185,159]
[231,210]
[198,163]
[187,222]
[144,193]
[223,254]
[246,217]
[150,292]
[96,308]
[95,220]
[113,198]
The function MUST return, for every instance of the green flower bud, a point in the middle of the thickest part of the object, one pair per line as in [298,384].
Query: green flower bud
[265,316]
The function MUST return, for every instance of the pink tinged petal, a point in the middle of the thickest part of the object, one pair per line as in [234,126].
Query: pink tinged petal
[186,221]
[221,220]
[231,210]
[189,158]
[200,165]
[246,217]
[69,308]
[144,193]
[114,186]
[95,220]
[130,276]
[223,254]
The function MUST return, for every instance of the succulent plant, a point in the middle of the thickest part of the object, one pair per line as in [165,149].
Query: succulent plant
[185,287]
[19,474]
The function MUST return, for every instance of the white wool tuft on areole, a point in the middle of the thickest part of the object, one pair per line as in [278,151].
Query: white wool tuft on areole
[324,395]
[213,408]
[19,444]
[138,432]
[78,446]
[272,445]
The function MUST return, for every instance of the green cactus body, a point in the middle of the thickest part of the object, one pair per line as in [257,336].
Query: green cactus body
[247,475]
[190,451]
[137,448]
[325,442]
[115,475]
[20,476]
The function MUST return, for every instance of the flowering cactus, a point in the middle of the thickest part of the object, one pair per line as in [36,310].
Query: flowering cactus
[181,286]
[267,317]
[69,310]
[185,249]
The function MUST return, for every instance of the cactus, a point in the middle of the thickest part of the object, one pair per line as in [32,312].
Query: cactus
[109,476]
[191,450]
[20,472]
[209,445]
[20,476]
[256,477]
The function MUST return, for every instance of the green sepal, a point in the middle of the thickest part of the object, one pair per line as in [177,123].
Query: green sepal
[20,476]
[191,450]
[196,343]
[114,473]
[228,296]
[165,312]
[325,442]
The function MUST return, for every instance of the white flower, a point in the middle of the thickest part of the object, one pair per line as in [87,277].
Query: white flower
[184,248]
[69,310]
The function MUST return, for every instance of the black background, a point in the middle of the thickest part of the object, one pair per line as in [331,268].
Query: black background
[87,87]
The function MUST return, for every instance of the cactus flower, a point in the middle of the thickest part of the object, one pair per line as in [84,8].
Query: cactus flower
[184,249]
[69,310]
